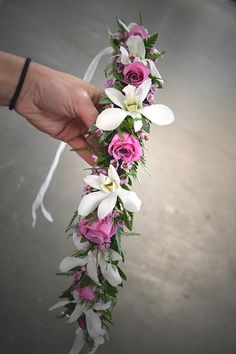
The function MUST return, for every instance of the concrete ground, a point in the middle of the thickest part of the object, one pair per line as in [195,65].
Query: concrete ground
[180,297]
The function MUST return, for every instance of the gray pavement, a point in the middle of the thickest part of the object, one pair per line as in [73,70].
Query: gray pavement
[180,297]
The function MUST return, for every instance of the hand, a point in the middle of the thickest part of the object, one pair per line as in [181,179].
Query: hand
[60,105]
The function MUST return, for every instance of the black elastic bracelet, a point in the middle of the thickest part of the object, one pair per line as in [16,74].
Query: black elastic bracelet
[20,84]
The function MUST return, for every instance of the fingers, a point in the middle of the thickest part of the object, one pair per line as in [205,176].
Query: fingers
[84,149]
[85,104]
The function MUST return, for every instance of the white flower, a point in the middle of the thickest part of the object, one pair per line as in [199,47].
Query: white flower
[93,260]
[105,198]
[131,104]
[137,50]
[93,322]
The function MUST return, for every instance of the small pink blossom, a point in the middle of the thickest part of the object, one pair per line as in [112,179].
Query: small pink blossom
[116,213]
[150,98]
[126,166]
[109,83]
[120,223]
[104,247]
[115,163]
[153,88]
[124,180]
[98,133]
[86,190]
[77,276]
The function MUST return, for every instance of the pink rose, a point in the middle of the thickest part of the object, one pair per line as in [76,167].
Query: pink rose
[87,293]
[127,148]
[98,231]
[138,30]
[135,73]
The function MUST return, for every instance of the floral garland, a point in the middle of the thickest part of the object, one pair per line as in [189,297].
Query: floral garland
[107,206]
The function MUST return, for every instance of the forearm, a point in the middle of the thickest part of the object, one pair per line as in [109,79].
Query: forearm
[10,70]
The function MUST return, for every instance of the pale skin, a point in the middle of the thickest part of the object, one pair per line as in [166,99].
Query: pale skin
[56,103]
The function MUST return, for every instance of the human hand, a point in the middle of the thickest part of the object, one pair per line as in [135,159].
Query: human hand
[60,105]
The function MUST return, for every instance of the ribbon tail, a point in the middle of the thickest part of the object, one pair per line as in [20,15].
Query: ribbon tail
[94,63]
[78,343]
[38,202]
[93,351]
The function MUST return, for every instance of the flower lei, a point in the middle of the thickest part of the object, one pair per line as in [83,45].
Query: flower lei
[108,205]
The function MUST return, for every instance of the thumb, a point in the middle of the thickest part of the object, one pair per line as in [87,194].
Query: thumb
[86,107]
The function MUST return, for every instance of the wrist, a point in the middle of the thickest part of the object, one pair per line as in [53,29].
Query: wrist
[10,70]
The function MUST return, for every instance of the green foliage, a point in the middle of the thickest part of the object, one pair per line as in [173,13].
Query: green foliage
[85,281]
[122,274]
[109,290]
[105,100]
[146,125]
[71,223]
[157,81]
[151,41]
[127,217]
[67,293]
[121,29]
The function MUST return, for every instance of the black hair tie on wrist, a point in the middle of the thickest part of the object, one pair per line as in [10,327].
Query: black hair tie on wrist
[20,84]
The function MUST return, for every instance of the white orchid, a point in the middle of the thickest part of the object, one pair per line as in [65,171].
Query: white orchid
[108,189]
[93,322]
[131,104]
[137,50]
[93,260]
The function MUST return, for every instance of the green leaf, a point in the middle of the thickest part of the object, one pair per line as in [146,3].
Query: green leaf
[105,100]
[70,226]
[122,274]
[67,293]
[85,281]
[120,26]
[140,18]
[151,41]
[109,289]
[146,125]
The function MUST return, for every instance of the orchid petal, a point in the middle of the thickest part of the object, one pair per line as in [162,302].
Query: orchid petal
[90,202]
[112,255]
[92,268]
[153,69]
[123,25]
[136,47]
[138,125]
[124,56]
[93,181]
[94,324]
[130,200]
[59,304]
[112,173]
[81,246]
[107,205]
[110,272]
[158,114]
[102,306]
[115,96]
[142,90]
[129,91]
[110,118]
[69,263]
[78,310]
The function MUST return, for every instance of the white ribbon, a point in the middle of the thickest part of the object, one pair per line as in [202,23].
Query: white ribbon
[38,202]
